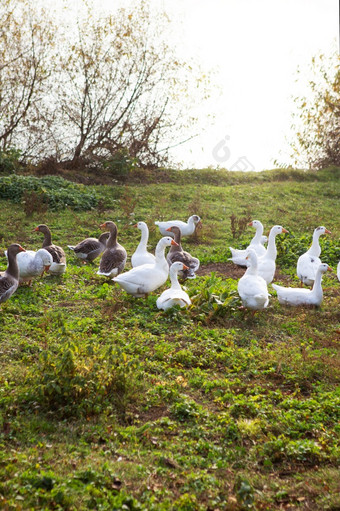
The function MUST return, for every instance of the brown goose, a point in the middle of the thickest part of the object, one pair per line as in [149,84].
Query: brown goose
[176,253]
[114,257]
[59,258]
[9,280]
[90,248]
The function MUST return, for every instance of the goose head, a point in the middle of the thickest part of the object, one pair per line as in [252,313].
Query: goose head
[178,266]
[42,228]
[324,267]
[166,241]
[256,223]
[322,230]
[140,225]
[45,257]
[278,229]
[13,250]
[195,219]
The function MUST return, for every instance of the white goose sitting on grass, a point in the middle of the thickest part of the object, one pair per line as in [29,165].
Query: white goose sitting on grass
[257,244]
[309,262]
[187,228]
[146,278]
[141,254]
[297,296]
[175,295]
[252,288]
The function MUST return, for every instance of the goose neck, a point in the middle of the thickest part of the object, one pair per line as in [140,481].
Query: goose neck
[174,279]
[12,268]
[258,234]
[47,238]
[271,247]
[315,249]
[317,287]
[144,238]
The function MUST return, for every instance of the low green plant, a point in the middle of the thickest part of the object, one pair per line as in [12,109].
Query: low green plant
[56,192]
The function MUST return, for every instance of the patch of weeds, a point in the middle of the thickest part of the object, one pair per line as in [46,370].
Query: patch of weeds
[214,297]
[84,380]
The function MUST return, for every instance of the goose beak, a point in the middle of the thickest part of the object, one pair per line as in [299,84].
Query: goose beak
[47,267]
[250,224]
[168,229]
[103,226]
[285,230]
[22,249]
[185,267]
[329,268]
[327,231]
[35,229]
[134,225]
[173,242]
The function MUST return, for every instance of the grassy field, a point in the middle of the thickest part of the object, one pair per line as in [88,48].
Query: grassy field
[107,403]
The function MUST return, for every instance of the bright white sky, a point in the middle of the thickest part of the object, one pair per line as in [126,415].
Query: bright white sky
[254,48]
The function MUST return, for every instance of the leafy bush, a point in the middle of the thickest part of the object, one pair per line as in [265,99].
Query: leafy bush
[55,191]
[213,297]
[9,161]
[83,381]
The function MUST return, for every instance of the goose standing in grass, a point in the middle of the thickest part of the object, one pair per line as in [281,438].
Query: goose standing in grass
[257,244]
[141,254]
[9,280]
[267,263]
[297,296]
[175,294]
[187,228]
[309,262]
[176,253]
[90,248]
[58,265]
[252,288]
[32,264]
[114,256]
[146,278]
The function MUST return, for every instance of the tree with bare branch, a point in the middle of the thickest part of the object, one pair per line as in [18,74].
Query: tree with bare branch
[24,44]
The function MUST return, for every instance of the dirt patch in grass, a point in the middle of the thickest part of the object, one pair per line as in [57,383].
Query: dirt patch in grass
[228,270]
[233,271]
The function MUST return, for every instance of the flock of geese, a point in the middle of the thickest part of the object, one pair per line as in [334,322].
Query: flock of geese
[150,271]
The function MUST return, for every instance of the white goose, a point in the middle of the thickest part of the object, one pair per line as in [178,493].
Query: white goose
[239,256]
[175,294]
[146,278]
[338,270]
[309,262]
[297,296]
[32,264]
[252,288]
[141,254]
[187,228]
[267,263]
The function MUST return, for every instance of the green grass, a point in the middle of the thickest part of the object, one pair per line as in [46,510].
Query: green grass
[107,403]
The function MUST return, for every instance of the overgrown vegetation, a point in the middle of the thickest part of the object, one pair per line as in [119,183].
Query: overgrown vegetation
[108,403]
